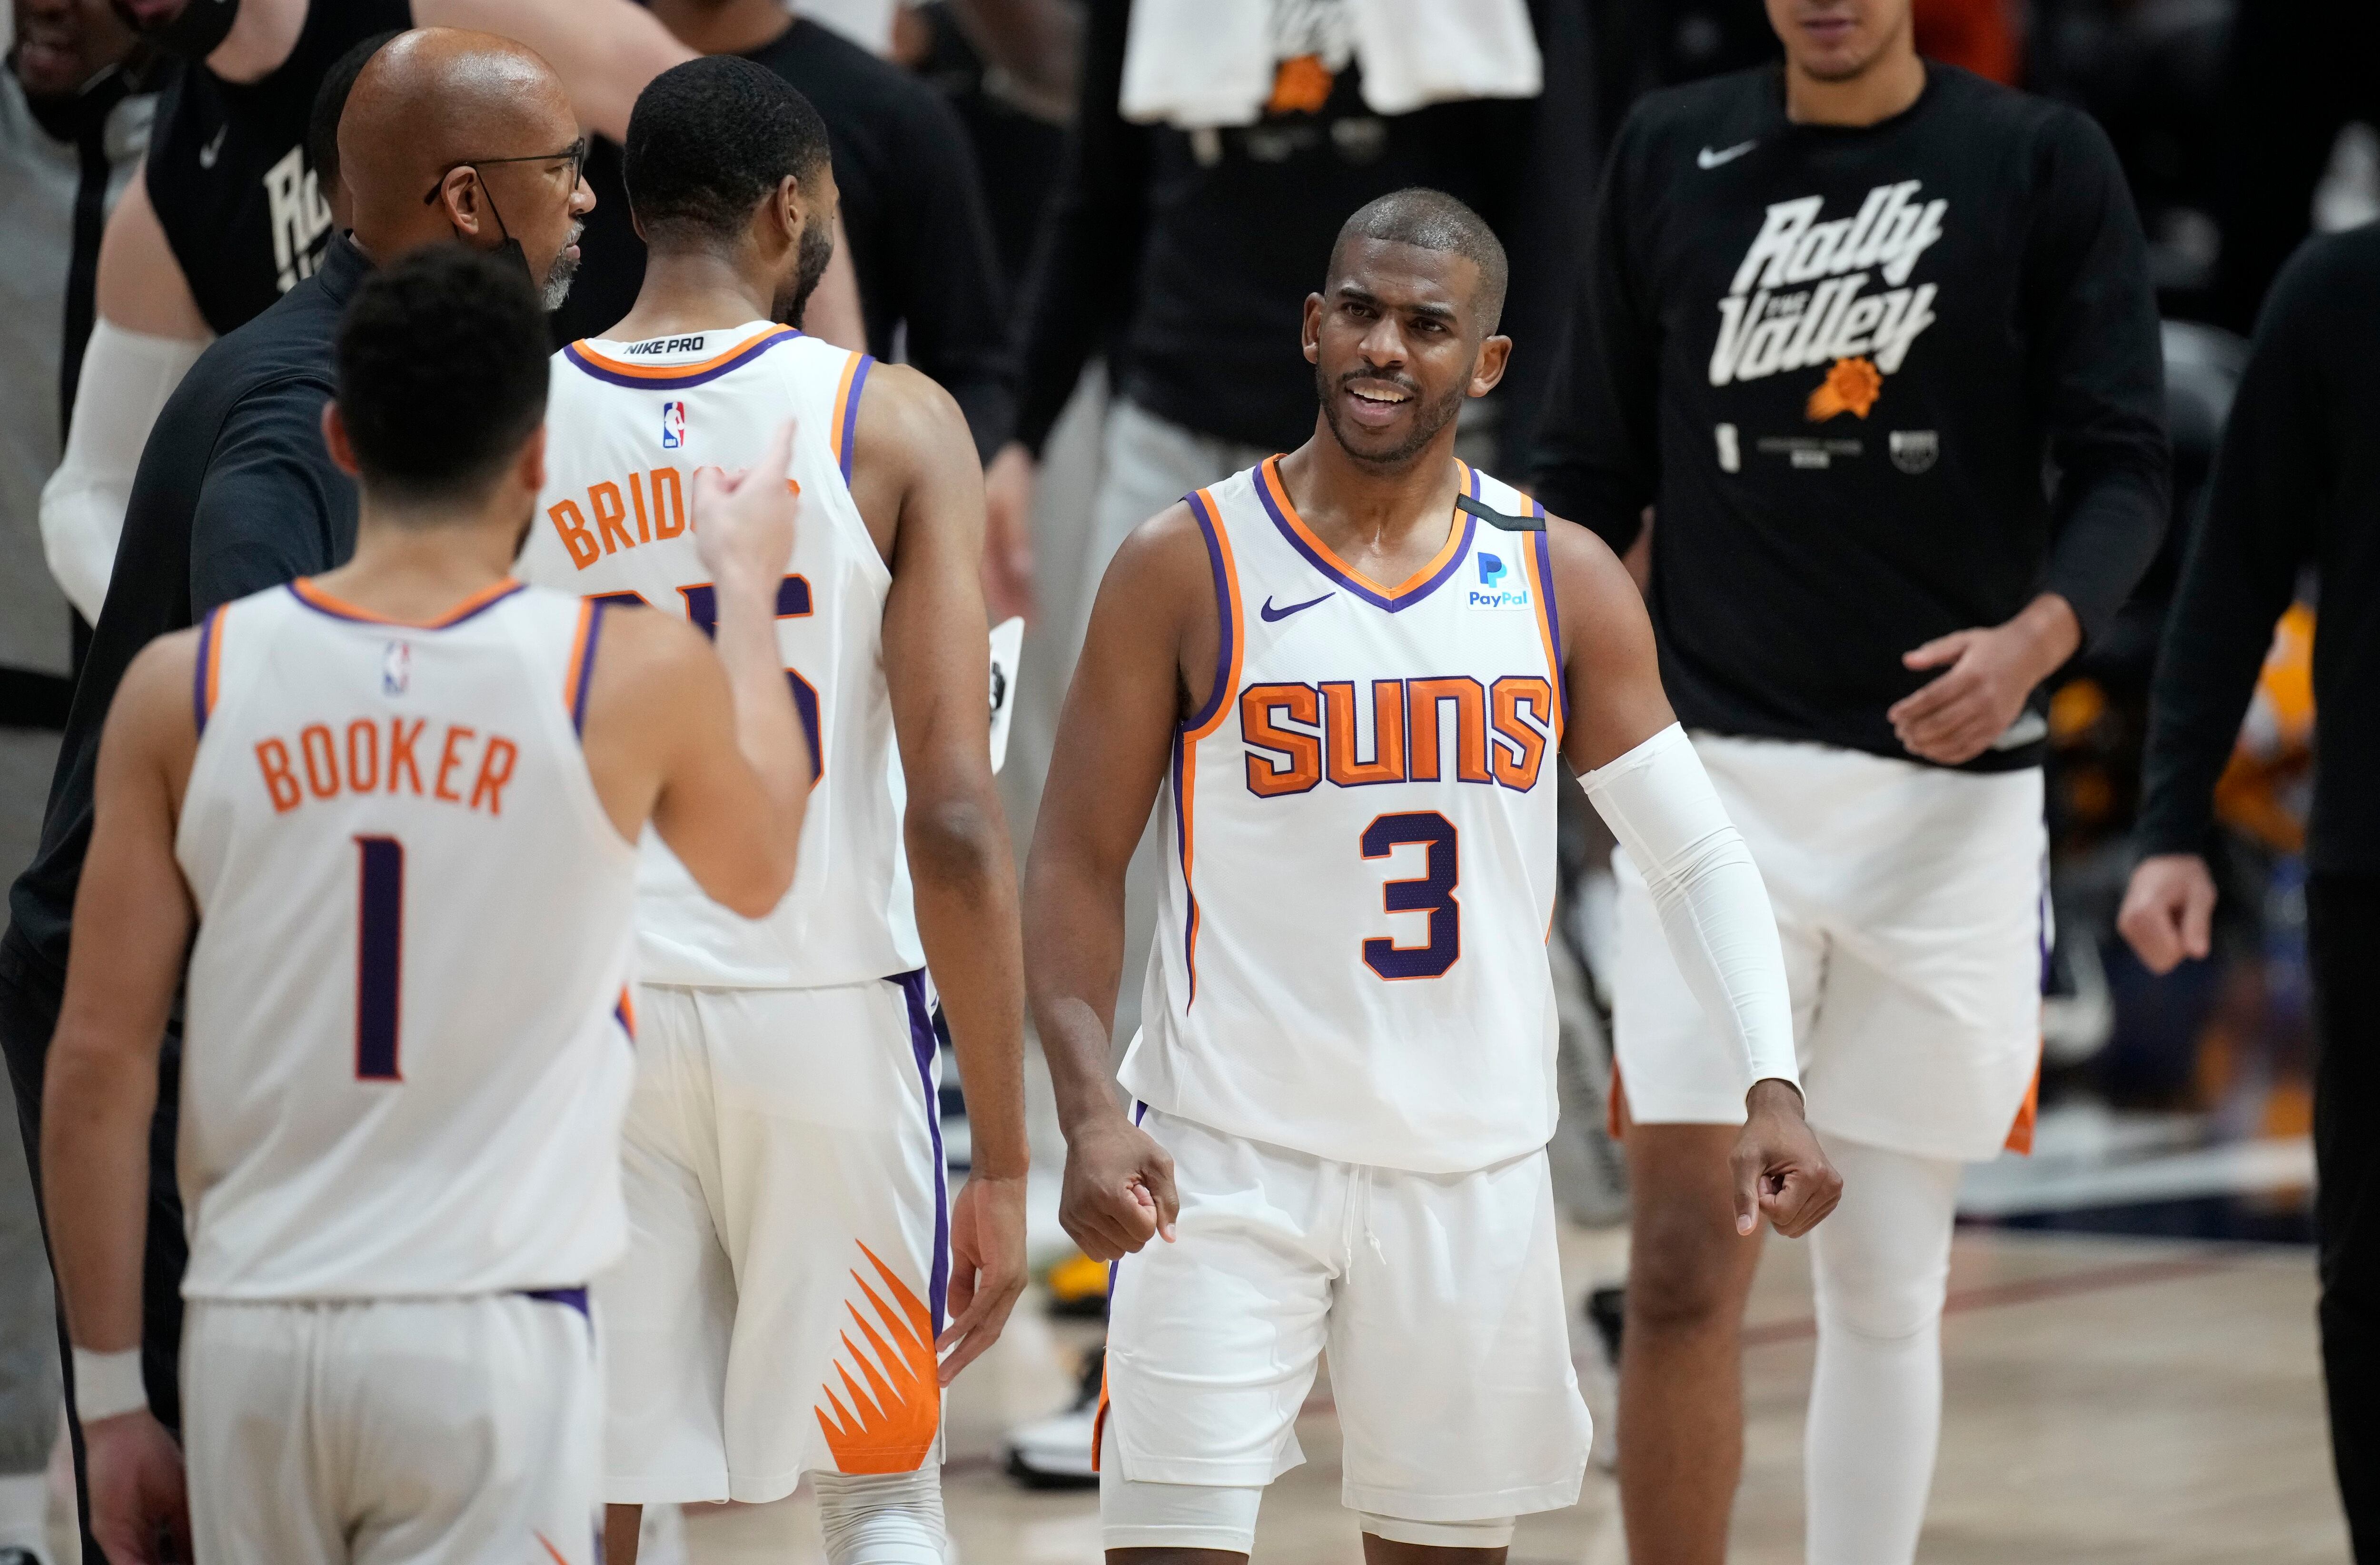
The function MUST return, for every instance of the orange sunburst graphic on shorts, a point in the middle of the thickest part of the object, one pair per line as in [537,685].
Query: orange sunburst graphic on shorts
[888,1426]
[1852,386]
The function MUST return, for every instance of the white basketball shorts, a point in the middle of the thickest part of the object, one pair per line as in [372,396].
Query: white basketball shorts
[1913,906]
[383,1431]
[788,1245]
[1438,1297]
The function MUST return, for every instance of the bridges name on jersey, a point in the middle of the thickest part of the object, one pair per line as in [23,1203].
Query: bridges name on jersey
[630,424]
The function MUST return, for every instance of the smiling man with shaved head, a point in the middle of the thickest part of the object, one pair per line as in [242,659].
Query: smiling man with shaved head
[447,135]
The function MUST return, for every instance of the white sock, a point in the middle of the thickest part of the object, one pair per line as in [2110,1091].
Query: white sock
[1882,1260]
[881,1519]
[25,1511]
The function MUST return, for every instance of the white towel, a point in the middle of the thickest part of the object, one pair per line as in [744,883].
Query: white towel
[1200,62]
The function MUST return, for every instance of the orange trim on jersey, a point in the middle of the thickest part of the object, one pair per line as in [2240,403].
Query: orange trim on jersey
[843,404]
[573,676]
[2020,1136]
[1615,1106]
[1543,591]
[1234,630]
[1269,472]
[1222,699]
[1099,1419]
[305,588]
[213,673]
[673,371]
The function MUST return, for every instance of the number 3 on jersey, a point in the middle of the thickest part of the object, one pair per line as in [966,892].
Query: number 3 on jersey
[792,603]
[1432,893]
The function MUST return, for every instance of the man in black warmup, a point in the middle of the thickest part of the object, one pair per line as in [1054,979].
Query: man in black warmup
[2295,485]
[1840,313]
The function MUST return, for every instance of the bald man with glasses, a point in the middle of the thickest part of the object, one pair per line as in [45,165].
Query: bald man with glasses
[236,491]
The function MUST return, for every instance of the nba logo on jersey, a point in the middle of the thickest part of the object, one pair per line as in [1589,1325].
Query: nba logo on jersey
[1491,592]
[673,425]
[396,669]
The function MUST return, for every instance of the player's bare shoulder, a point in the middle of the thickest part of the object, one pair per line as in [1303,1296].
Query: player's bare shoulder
[910,438]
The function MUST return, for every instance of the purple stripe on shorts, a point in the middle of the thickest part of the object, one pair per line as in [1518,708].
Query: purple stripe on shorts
[922,1040]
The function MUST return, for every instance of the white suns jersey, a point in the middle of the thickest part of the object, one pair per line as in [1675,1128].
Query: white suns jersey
[405,1053]
[1350,960]
[627,426]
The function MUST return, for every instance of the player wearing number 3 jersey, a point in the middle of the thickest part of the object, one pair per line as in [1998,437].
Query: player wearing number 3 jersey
[1343,677]
[792,1246]
[399,802]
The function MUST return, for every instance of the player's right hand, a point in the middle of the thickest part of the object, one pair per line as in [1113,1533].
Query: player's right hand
[1118,1190]
[2168,911]
[137,1493]
[1781,1172]
[743,525]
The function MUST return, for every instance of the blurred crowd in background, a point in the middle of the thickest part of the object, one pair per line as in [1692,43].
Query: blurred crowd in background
[1107,270]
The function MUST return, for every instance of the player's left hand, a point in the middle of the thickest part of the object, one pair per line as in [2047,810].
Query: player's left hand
[1781,1172]
[1955,717]
[987,1268]
[139,1497]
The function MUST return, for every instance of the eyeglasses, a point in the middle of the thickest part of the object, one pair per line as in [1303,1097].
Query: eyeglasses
[574,154]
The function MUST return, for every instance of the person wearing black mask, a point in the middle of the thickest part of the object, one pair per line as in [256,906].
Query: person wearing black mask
[230,211]
[444,129]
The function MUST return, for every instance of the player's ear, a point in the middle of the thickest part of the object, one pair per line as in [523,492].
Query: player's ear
[1312,331]
[335,441]
[1488,367]
[529,466]
[789,211]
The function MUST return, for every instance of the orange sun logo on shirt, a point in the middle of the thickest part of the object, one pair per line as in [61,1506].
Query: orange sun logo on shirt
[1852,386]
[1301,86]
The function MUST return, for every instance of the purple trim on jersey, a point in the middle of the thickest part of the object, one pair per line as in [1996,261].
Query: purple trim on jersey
[1553,615]
[1182,857]
[922,1040]
[1379,601]
[574,1297]
[677,383]
[851,416]
[1209,526]
[474,611]
[2042,914]
[595,607]
[198,677]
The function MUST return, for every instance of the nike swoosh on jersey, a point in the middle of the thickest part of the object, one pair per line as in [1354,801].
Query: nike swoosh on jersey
[1708,159]
[212,150]
[1272,614]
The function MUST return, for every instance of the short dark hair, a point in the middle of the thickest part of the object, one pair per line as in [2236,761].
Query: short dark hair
[442,366]
[708,138]
[1432,220]
[330,103]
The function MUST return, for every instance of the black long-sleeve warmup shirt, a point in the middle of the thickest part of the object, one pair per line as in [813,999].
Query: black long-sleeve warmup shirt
[913,212]
[2297,483]
[235,493]
[1186,257]
[1836,361]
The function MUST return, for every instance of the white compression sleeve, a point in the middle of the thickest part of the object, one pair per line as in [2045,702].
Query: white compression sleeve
[127,376]
[1660,803]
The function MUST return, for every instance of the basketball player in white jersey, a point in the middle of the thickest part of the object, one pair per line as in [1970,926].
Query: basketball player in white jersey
[785,1293]
[1350,671]
[399,803]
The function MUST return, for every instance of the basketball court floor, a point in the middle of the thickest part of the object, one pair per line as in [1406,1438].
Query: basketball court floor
[2111,1399]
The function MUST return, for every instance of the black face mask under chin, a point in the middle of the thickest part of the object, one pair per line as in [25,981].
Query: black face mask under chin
[508,246]
[192,33]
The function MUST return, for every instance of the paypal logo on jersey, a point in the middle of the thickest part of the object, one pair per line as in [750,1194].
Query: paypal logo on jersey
[673,425]
[1491,592]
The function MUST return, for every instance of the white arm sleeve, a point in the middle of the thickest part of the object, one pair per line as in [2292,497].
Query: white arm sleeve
[127,376]
[1660,803]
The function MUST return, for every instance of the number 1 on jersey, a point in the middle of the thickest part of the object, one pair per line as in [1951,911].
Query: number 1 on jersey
[1432,893]
[380,949]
